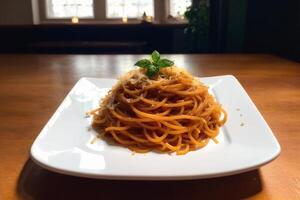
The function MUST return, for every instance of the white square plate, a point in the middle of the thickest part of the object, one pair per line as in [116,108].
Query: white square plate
[64,144]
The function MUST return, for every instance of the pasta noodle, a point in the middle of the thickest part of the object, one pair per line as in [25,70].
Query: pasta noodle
[172,112]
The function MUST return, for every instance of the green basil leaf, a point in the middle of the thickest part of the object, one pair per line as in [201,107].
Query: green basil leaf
[155,56]
[145,63]
[152,70]
[165,63]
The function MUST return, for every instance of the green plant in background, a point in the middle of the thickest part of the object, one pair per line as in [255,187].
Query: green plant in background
[198,25]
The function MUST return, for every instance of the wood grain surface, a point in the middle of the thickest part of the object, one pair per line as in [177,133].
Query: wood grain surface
[32,86]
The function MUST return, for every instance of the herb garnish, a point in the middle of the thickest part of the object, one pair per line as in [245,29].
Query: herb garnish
[154,64]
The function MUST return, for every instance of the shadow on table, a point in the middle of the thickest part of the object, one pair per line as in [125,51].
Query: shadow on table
[38,183]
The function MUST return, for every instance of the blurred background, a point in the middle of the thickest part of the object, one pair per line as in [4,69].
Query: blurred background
[139,26]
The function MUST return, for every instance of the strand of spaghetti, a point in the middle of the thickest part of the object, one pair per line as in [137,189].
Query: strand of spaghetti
[132,92]
[215,140]
[164,133]
[108,115]
[130,119]
[200,108]
[200,98]
[129,100]
[164,113]
[176,123]
[159,104]
[177,86]
[120,140]
[99,121]
[166,118]
[153,84]
[185,93]
[181,110]
[179,141]
[171,139]
[92,112]
[194,107]
[152,102]
[224,117]
[209,132]
[138,150]
[174,148]
[163,148]
[186,81]
[208,111]
[172,126]
[193,147]
[196,133]
[135,138]
[178,132]
[184,151]
[148,126]
[155,140]
[183,103]
[113,128]
[158,114]
[158,83]
[200,144]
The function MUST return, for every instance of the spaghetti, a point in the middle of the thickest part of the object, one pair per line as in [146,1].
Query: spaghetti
[172,112]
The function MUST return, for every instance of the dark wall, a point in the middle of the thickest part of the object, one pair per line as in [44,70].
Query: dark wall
[273,26]
[255,26]
[236,25]
[91,38]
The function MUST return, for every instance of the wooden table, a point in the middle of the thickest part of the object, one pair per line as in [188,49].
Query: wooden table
[32,86]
